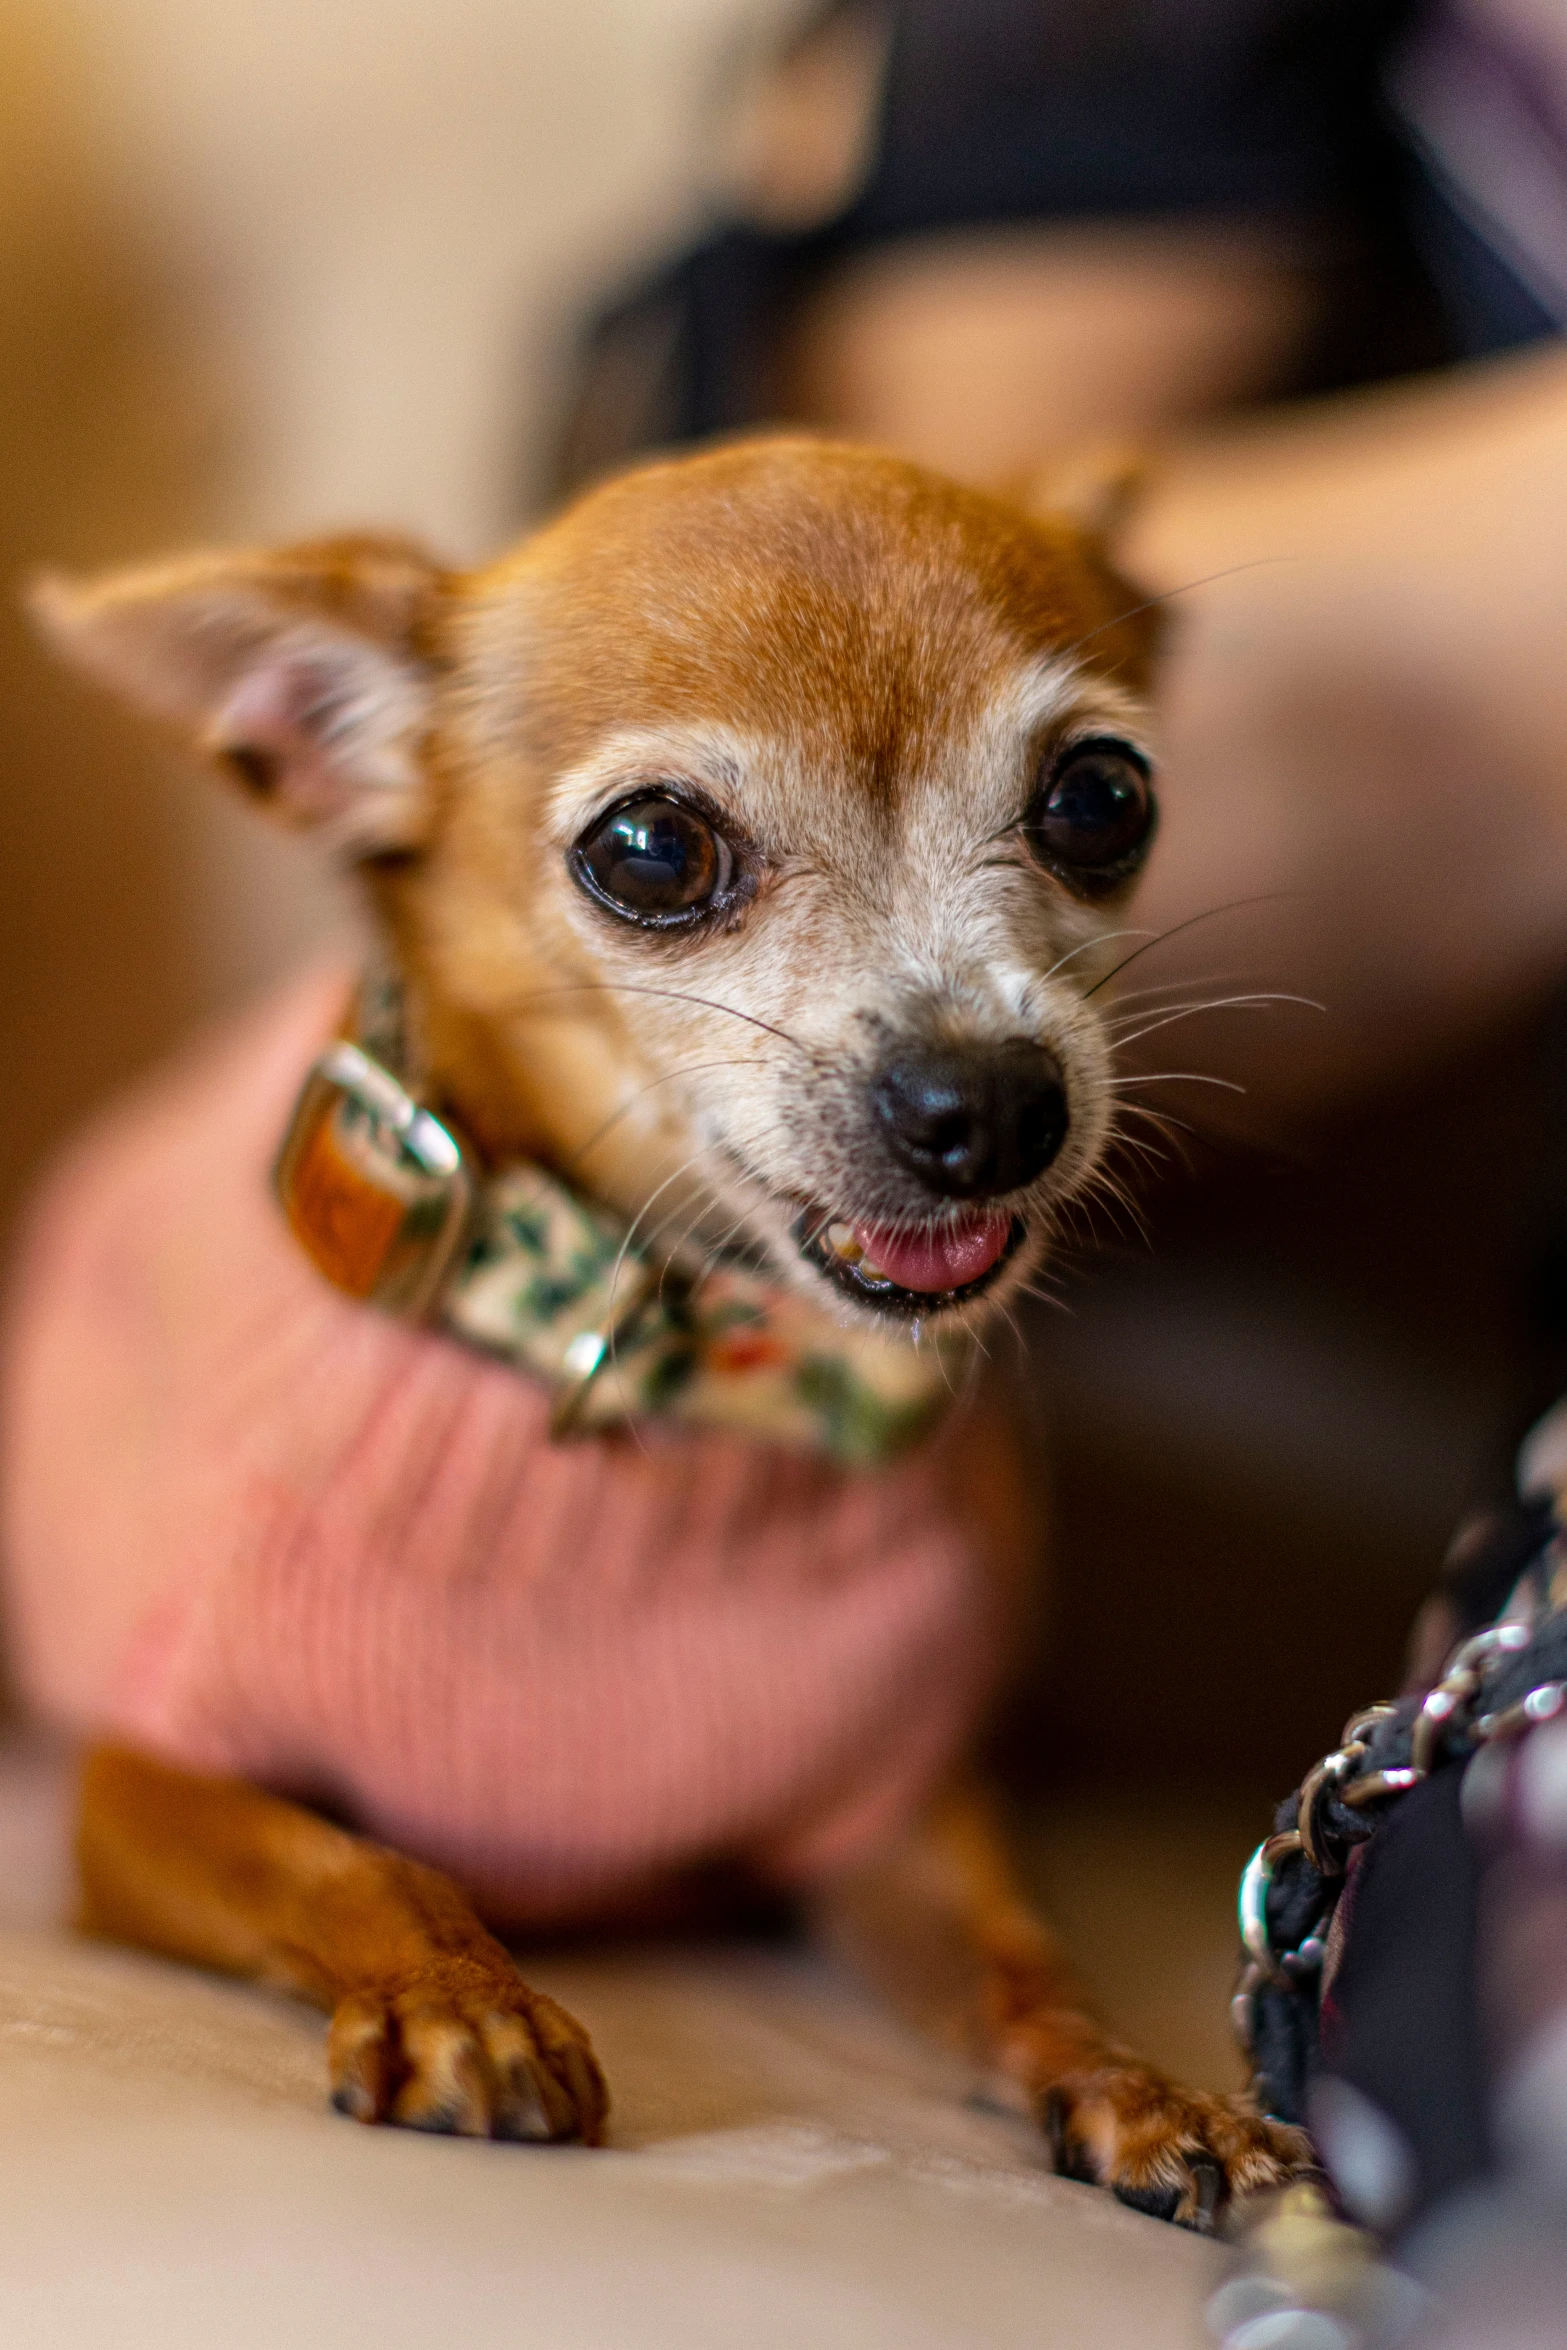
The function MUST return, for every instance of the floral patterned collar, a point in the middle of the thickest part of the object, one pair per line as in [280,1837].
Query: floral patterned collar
[389,1203]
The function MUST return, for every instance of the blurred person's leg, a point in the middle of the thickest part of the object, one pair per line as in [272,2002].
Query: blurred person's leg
[978,351]
[1367,727]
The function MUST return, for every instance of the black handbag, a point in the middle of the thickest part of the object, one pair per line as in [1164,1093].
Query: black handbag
[1404,1995]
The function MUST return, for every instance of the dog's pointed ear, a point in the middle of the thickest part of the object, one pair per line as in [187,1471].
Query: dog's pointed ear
[1096,489]
[307,671]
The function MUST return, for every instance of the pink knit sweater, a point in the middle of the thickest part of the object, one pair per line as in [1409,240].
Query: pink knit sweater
[262,1529]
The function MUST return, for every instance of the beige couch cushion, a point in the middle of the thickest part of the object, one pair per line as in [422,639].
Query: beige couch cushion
[786,2167]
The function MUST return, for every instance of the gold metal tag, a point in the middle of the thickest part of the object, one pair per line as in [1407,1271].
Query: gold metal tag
[378,1192]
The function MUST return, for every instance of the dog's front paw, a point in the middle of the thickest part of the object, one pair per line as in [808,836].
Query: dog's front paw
[490,2059]
[1179,2154]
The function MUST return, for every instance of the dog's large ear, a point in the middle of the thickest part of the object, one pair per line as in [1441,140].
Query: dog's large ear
[306,670]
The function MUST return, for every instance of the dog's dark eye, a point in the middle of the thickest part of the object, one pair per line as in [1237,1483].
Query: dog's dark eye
[656,860]
[1093,814]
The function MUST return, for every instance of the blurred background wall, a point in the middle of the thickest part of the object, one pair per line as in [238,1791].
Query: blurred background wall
[265,267]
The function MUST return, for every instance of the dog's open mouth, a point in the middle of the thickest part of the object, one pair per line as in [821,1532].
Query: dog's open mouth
[909,1270]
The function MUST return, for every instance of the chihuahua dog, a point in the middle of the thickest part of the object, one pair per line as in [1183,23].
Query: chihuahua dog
[748,848]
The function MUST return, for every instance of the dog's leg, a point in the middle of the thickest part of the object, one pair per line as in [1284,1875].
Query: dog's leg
[940,1924]
[431,2024]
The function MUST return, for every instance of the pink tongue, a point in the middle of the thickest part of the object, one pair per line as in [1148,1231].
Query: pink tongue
[943,1256]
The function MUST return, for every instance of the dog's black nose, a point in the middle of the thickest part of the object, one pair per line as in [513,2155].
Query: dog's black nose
[972,1120]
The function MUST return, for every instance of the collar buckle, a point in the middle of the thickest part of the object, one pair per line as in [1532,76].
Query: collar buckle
[377,1190]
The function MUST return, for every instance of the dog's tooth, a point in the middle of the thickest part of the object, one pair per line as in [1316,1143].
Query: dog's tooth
[843,1244]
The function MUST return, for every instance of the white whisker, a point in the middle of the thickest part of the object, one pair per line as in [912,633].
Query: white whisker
[1224,1003]
[1176,1077]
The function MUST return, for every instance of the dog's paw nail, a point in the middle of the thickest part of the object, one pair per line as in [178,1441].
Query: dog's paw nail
[1156,2202]
[523,2112]
[354,2099]
[1210,2192]
[453,2120]
[591,2097]
[569,2075]
[1070,2156]
[360,2058]
[527,2105]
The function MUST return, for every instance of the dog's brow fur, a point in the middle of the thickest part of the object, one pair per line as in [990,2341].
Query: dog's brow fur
[794,589]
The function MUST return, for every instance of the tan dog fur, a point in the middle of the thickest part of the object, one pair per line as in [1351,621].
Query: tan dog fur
[860,667]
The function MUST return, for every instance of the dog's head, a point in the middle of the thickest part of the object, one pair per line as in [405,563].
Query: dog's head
[751,839]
